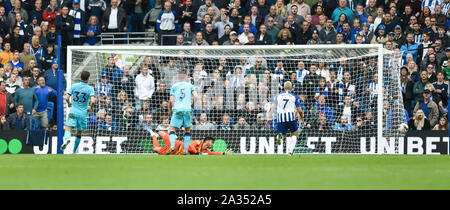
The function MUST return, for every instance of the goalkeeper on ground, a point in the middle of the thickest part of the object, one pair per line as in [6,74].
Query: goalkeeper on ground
[195,147]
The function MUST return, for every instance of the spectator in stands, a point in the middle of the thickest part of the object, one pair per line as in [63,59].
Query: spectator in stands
[80,18]
[111,70]
[16,63]
[321,107]
[37,11]
[37,50]
[442,125]
[17,9]
[43,94]
[92,31]
[51,77]
[407,85]
[49,55]
[165,25]
[136,10]
[109,124]
[429,108]
[203,9]
[147,123]
[344,125]
[328,33]
[145,86]
[35,74]
[284,37]
[278,19]
[3,123]
[419,121]
[52,35]
[114,20]
[12,84]
[241,124]
[209,35]
[6,100]
[220,26]
[6,55]
[18,120]
[380,36]
[25,57]
[410,47]
[272,30]
[164,124]
[160,95]
[16,39]
[321,123]
[188,13]
[342,9]
[104,87]
[50,12]
[199,40]
[203,123]
[304,33]
[27,97]
[128,121]
[29,30]
[225,124]
[419,86]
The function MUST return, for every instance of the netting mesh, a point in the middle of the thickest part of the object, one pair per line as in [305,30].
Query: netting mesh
[337,89]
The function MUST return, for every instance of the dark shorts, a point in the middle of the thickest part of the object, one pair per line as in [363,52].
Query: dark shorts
[287,127]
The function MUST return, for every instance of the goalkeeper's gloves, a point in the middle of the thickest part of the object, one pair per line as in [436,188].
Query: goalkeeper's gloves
[153,133]
[228,152]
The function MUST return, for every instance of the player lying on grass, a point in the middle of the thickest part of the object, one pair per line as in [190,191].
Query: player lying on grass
[195,147]
[179,145]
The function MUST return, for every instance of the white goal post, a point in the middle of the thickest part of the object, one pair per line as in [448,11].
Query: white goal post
[95,58]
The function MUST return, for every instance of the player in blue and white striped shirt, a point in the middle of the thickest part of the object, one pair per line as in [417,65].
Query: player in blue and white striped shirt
[287,107]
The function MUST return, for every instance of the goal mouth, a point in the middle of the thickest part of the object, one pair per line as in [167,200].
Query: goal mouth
[344,111]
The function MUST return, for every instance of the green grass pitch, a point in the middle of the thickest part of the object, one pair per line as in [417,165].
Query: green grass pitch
[239,172]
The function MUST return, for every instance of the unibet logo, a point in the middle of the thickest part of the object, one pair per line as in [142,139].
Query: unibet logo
[14,146]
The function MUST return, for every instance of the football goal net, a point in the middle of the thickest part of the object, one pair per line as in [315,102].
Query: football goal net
[350,96]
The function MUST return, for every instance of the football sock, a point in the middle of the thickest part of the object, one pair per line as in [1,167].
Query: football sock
[172,138]
[77,142]
[187,139]
[293,142]
[67,135]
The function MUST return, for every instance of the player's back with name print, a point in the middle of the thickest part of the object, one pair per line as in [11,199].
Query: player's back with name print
[81,93]
[286,104]
[182,93]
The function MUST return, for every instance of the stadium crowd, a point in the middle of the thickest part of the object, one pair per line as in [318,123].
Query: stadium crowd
[233,94]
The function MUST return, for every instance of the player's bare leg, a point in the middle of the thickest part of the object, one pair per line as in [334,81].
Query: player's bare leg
[279,138]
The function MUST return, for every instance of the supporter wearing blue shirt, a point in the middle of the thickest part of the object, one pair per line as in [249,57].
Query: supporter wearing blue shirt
[50,76]
[92,30]
[16,63]
[43,94]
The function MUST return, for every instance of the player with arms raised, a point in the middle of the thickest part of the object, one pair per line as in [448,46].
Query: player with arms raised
[288,110]
[83,98]
[181,95]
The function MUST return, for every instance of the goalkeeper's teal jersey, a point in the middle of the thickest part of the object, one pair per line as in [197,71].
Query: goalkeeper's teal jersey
[182,91]
[81,94]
